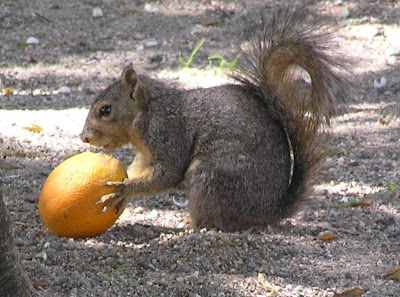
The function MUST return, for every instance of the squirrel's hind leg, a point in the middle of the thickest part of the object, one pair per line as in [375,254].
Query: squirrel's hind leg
[217,198]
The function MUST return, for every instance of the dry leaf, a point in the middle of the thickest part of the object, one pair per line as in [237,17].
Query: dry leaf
[326,235]
[32,198]
[361,203]
[393,196]
[355,292]
[7,166]
[187,220]
[8,91]
[262,280]
[384,121]
[208,22]
[21,154]
[37,283]
[393,273]
[33,128]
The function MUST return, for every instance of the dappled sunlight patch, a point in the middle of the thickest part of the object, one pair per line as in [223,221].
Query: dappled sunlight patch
[348,189]
[156,216]
[190,78]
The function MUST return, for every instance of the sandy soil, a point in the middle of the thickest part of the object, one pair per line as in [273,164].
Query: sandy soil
[137,258]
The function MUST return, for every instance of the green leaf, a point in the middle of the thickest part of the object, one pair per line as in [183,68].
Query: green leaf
[193,53]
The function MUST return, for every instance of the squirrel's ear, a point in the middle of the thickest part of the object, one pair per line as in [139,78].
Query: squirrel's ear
[129,76]
[139,92]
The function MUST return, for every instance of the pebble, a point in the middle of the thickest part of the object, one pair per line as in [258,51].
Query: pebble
[153,213]
[180,203]
[140,48]
[147,7]
[97,12]
[378,84]
[391,60]
[345,199]
[343,12]
[32,40]
[196,30]
[180,225]
[152,43]
[138,36]
[330,275]
[138,210]
[36,92]
[194,275]
[292,255]
[42,255]
[65,90]
[348,275]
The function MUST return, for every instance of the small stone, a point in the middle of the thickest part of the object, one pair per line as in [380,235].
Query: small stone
[153,213]
[348,275]
[152,43]
[138,36]
[39,283]
[391,60]
[180,225]
[180,202]
[32,40]
[378,84]
[343,12]
[65,90]
[196,30]
[147,7]
[138,210]
[326,236]
[194,275]
[345,199]
[36,92]
[330,275]
[42,255]
[393,196]
[97,12]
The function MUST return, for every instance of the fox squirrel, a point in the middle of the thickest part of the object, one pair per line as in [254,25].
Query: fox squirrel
[246,152]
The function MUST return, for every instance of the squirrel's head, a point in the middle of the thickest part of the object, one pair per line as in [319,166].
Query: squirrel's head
[114,112]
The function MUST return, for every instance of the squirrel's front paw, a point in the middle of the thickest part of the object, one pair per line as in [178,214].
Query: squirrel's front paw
[117,199]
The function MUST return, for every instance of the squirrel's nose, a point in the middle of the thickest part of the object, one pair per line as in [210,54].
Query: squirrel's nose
[84,138]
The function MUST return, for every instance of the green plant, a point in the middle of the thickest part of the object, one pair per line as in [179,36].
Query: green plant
[393,186]
[186,64]
[224,63]
[335,152]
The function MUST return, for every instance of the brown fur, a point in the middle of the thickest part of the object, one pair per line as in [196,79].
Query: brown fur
[246,153]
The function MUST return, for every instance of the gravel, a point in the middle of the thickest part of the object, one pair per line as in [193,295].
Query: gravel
[142,254]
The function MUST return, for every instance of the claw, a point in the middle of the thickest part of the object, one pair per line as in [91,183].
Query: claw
[105,198]
[118,203]
[115,199]
[111,203]
[115,203]
[113,184]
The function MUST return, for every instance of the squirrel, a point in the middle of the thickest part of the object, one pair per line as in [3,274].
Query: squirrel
[247,152]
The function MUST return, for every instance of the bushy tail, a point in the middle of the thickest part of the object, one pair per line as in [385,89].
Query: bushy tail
[291,49]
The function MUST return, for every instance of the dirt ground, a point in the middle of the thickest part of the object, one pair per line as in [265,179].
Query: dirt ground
[134,258]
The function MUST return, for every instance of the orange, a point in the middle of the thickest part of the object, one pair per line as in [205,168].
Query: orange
[68,200]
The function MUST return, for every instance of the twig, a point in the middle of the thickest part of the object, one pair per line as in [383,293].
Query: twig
[42,17]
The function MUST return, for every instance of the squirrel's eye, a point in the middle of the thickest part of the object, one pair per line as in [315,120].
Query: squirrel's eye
[105,110]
